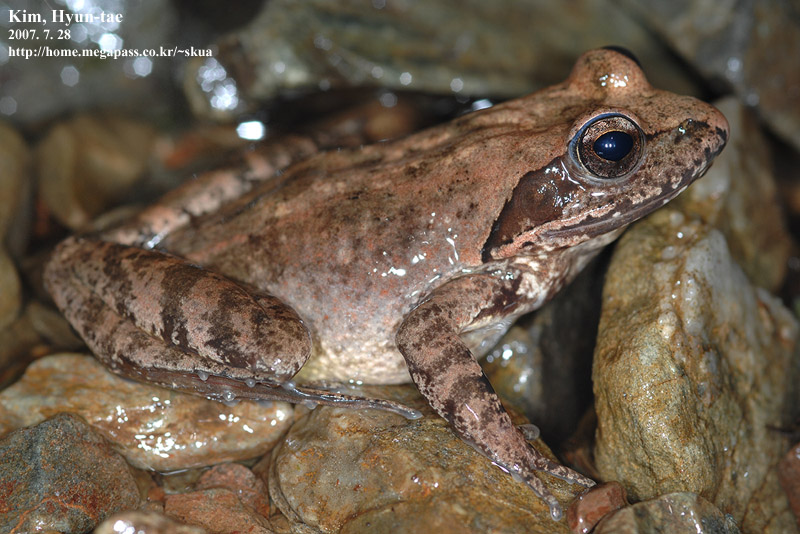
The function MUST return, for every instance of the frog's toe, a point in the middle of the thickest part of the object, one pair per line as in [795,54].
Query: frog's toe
[555,509]
[563,472]
[530,431]
[541,491]
[538,462]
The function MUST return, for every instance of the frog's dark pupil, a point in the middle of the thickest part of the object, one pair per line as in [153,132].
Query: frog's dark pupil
[613,146]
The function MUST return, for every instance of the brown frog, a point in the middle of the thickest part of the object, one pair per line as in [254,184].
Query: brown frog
[397,261]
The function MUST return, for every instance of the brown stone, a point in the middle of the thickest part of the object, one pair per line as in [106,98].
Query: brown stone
[140,522]
[368,471]
[154,428]
[61,475]
[693,365]
[594,504]
[217,510]
[241,481]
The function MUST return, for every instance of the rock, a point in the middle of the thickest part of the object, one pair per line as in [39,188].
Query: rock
[789,474]
[281,525]
[15,200]
[738,196]
[436,515]
[36,332]
[10,291]
[153,428]
[19,345]
[250,490]
[675,513]
[61,475]
[217,510]
[179,481]
[692,367]
[144,523]
[468,50]
[594,504]
[90,162]
[52,326]
[740,45]
[16,185]
[364,471]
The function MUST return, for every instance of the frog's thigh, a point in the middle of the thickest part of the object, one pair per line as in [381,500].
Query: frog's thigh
[156,317]
[447,374]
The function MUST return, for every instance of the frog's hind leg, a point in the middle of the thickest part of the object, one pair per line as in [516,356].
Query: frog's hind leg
[447,374]
[158,319]
[156,312]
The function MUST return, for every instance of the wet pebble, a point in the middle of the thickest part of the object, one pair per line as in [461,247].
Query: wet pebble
[241,481]
[139,522]
[676,513]
[593,505]
[10,290]
[217,510]
[373,471]
[20,343]
[16,185]
[61,475]
[52,326]
[505,51]
[153,428]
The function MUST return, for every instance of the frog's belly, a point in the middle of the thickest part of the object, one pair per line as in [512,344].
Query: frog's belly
[359,361]
[352,325]
[370,358]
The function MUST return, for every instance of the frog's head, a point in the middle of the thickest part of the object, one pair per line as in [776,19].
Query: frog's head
[627,149]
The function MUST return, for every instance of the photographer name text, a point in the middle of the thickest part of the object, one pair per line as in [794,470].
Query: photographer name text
[61,16]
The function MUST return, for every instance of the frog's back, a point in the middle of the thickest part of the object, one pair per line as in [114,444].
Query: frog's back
[354,239]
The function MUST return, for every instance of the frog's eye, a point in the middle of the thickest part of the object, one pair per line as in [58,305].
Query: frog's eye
[609,146]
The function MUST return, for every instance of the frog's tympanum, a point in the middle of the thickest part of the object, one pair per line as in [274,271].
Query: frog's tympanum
[393,262]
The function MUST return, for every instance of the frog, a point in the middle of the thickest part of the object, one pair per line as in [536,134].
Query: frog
[393,262]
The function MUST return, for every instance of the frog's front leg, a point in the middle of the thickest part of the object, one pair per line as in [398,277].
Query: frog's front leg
[447,374]
[157,318]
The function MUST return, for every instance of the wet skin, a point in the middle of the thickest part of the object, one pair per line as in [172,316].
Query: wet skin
[393,262]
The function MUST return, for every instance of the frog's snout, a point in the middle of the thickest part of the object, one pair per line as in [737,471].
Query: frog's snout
[719,125]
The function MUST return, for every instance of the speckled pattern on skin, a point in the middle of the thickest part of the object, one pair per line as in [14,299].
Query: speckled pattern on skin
[443,233]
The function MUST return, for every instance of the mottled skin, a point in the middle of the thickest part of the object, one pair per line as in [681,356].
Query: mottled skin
[391,260]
